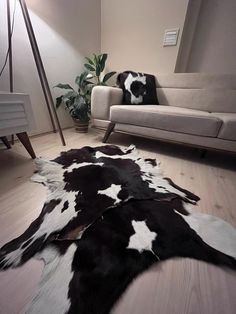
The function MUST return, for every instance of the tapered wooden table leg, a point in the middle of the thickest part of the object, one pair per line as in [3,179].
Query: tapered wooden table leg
[23,137]
[5,142]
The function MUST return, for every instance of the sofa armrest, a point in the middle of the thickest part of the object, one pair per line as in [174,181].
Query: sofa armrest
[102,98]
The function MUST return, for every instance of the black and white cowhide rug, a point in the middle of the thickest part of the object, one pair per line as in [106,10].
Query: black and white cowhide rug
[109,215]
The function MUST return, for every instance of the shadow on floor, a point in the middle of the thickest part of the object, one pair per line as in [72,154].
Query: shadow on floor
[213,158]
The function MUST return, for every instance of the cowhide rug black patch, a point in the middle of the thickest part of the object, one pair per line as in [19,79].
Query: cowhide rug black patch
[109,215]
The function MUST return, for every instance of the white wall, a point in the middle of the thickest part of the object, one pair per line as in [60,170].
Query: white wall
[132,33]
[189,28]
[66,31]
[214,43]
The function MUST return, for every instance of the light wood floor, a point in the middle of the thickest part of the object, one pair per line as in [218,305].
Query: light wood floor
[177,286]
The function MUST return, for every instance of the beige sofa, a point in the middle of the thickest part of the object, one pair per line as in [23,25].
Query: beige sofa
[195,109]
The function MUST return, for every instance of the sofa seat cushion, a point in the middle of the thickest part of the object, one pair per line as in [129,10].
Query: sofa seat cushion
[170,118]
[228,128]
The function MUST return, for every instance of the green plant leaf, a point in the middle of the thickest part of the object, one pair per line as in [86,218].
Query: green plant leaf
[97,64]
[68,103]
[83,75]
[80,109]
[63,86]
[59,101]
[80,78]
[99,57]
[95,59]
[70,94]
[89,67]
[98,70]
[90,76]
[103,60]
[90,61]
[88,82]
[68,98]
[77,79]
[108,76]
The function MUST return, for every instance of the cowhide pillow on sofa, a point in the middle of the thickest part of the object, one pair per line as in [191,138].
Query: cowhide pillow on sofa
[138,88]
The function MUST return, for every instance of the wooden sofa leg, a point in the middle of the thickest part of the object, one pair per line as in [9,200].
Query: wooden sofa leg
[23,137]
[110,128]
[5,142]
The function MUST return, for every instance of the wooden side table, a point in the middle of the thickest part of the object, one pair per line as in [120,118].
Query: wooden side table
[16,117]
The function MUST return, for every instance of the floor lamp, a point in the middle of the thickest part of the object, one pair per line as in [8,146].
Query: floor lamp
[39,64]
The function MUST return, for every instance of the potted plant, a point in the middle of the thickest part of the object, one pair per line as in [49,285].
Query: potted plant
[78,102]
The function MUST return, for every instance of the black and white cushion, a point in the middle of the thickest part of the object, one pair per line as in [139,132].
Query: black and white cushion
[138,88]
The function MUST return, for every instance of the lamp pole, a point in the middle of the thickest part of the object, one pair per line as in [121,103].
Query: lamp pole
[9,45]
[9,31]
[39,64]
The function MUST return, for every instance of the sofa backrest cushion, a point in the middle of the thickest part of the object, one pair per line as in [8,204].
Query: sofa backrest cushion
[207,92]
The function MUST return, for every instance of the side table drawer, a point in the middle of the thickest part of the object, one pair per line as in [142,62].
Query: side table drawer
[12,114]
[16,114]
